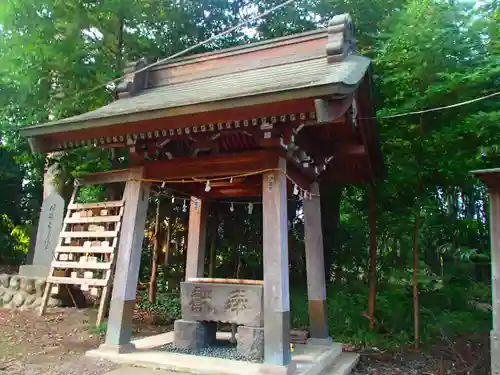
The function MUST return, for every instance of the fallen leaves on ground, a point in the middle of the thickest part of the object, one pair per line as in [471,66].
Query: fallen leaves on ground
[55,344]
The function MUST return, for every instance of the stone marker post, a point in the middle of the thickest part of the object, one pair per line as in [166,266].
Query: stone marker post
[47,237]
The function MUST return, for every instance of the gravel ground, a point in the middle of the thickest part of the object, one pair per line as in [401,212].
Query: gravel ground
[370,365]
[220,350]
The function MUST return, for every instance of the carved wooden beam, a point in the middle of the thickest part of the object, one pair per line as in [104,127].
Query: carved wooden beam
[212,166]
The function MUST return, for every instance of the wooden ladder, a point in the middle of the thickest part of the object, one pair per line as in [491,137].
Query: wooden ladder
[87,249]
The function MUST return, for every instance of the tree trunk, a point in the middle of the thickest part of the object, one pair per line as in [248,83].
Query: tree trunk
[373,260]
[167,243]
[211,269]
[416,306]
[119,43]
[154,262]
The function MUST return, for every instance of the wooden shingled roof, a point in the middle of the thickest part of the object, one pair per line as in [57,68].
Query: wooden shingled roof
[309,94]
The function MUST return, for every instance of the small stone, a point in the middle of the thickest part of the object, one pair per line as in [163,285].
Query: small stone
[18,300]
[4,280]
[28,285]
[40,286]
[7,297]
[15,283]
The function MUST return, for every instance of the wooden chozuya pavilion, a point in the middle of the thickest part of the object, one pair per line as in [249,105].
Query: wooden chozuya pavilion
[289,111]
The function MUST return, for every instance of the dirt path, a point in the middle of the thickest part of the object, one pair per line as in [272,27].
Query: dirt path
[55,343]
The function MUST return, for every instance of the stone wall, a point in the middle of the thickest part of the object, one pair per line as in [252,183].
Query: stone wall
[22,292]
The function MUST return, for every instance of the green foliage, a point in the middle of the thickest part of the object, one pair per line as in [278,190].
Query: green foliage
[445,311]
[167,304]
[14,241]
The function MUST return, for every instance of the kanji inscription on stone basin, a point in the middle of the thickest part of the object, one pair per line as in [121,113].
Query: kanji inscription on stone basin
[228,303]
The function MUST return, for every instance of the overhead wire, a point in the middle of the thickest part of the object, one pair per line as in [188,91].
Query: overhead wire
[441,108]
[200,44]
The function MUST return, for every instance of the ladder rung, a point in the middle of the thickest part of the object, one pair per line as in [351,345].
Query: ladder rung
[82,265]
[83,250]
[89,206]
[76,281]
[93,219]
[103,234]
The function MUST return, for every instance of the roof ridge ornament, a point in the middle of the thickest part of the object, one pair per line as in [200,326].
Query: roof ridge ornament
[133,82]
[341,41]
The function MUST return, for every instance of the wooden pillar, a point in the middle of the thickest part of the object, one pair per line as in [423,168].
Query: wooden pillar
[195,262]
[315,268]
[119,331]
[276,282]
[495,275]
[492,179]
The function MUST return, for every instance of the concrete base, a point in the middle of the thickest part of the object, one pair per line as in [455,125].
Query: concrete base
[290,369]
[317,341]
[306,359]
[118,349]
[343,365]
[34,271]
[495,348]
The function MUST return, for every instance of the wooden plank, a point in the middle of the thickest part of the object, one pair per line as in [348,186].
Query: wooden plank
[109,177]
[224,281]
[82,265]
[298,337]
[107,234]
[89,206]
[76,281]
[106,291]
[93,219]
[82,250]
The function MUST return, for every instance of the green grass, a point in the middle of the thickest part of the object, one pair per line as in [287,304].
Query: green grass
[100,329]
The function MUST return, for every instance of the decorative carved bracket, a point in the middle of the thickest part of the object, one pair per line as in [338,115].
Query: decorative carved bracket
[133,82]
[341,40]
[331,110]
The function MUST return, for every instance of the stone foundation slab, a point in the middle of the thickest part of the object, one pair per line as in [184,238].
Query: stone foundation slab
[250,342]
[193,335]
